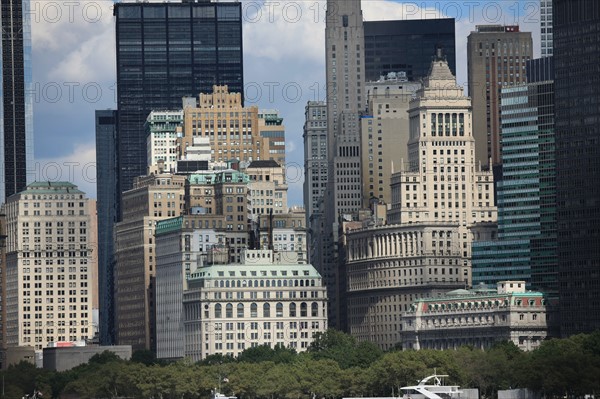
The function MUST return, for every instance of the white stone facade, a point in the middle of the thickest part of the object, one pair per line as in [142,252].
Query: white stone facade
[477,318]
[49,285]
[162,129]
[264,301]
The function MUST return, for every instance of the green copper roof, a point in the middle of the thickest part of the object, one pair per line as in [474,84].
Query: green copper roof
[168,225]
[219,177]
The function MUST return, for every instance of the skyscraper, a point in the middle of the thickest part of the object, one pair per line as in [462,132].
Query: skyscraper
[16,110]
[440,203]
[496,57]
[526,245]
[407,46]
[166,51]
[577,100]
[344,41]
[546,33]
[315,155]
[64,226]
[107,208]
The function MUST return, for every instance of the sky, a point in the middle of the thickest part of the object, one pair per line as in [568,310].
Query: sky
[74,68]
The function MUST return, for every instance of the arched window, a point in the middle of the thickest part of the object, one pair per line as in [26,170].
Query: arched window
[303,309]
[240,310]
[268,283]
[266,310]
[253,310]
[292,309]
[279,309]
[229,311]
[226,283]
[314,309]
[218,313]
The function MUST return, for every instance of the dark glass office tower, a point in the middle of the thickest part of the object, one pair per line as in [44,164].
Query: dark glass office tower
[166,51]
[407,46]
[106,187]
[577,108]
[16,105]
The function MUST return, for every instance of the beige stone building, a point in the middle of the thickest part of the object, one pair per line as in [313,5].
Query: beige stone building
[479,318]
[154,197]
[267,188]
[385,133]
[272,132]
[496,58]
[232,129]
[222,193]
[49,285]
[441,203]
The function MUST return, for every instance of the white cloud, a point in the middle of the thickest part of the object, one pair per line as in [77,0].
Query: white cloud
[78,167]
[285,30]
[382,10]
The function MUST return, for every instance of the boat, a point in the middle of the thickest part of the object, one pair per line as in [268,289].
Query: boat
[217,395]
[432,387]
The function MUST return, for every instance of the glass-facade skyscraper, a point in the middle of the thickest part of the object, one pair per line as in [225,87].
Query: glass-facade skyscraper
[16,101]
[526,245]
[577,83]
[407,46]
[166,51]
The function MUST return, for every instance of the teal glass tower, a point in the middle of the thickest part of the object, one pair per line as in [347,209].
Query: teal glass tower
[526,245]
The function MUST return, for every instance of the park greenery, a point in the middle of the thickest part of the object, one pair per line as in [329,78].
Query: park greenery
[335,366]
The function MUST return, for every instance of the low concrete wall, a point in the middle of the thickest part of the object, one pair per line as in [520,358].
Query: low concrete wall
[62,359]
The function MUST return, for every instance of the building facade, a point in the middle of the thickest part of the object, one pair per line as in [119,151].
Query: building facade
[525,248]
[385,134]
[440,204]
[16,100]
[108,213]
[154,197]
[162,130]
[315,155]
[264,301]
[222,193]
[49,284]
[406,46]
[546,25]
[479,318]
[268,188]
[496,58]
[577,98]
[166,51]
[232,128]
[272,132]
[183,244]
[345,78]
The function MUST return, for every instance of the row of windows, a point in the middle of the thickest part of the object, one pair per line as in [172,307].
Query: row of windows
[266,311]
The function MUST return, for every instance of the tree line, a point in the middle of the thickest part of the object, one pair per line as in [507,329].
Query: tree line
[335,366]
